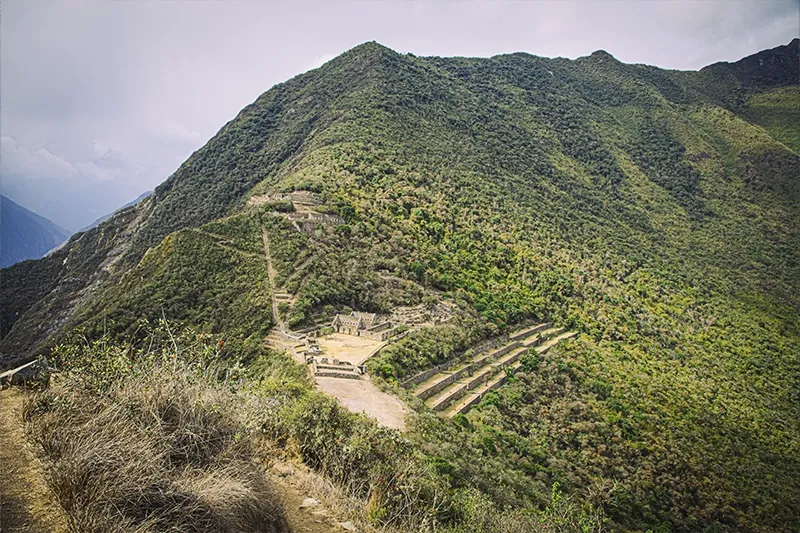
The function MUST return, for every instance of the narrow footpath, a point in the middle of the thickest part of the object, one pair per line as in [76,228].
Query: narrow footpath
[271,275]
[26,504]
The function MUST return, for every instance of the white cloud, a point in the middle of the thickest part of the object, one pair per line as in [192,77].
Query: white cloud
[36,164]
[100,147]
[20,163]
[319,60]
[95,172]
[169,130]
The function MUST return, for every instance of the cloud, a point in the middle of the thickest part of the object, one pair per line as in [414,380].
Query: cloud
[95,172]
[36,164]
[71,193]
[20,162]
[319,60]
[100,147]
[169,130]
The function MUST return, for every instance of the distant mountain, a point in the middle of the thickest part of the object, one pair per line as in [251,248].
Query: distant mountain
[24,234]
[105,217]
[109,215]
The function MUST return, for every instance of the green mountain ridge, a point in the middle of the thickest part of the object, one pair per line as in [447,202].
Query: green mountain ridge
[654,211]
[111,214]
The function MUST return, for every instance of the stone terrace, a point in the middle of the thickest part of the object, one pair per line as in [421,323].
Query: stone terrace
[457,388]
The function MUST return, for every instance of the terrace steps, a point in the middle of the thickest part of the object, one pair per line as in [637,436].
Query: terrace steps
[438,381]
[474,396]
[442,389]
[334,369]
[525,333]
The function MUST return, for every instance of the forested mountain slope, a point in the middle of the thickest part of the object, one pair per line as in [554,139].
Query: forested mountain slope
[109,215]
[654,211]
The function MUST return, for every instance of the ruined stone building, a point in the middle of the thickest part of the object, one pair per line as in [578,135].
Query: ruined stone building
[363,325]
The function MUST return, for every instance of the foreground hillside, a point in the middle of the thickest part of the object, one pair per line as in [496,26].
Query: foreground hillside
[655,212]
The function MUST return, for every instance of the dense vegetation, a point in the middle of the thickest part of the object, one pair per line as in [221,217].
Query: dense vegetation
[654,211]
[162,435]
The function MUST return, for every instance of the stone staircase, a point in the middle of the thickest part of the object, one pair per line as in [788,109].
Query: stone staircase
[456,389]
[282,296]
[323,367]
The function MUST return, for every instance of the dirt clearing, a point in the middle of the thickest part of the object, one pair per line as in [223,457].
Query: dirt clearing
[362,396]
[348,348]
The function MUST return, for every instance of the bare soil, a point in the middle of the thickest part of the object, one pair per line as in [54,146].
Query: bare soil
[302,520]
[362,396]
[348,348]
[26,504]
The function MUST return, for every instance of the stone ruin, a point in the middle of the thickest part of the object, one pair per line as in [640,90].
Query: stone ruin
[334,368]
[306,198]
[421,315]
[312,350]
[364,325]
[304,217]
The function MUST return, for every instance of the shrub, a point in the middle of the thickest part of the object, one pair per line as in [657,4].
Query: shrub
[159,450]
[153,441]
[372,463]
[563,515]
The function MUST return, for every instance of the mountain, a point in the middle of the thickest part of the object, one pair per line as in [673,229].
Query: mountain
[656,212]
[109,215]
[25,235]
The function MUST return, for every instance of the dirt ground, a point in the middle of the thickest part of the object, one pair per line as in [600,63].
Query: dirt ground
[362,396]
[26,504]
[317,519]
[348,348]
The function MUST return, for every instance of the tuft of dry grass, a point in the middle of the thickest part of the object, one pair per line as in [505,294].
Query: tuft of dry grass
[159,451]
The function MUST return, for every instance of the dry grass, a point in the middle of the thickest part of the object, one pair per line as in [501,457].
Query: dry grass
[147,442]
[157,452]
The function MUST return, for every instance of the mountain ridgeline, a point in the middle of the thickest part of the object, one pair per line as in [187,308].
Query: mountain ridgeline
[656,212]
[24,234]
[109,215]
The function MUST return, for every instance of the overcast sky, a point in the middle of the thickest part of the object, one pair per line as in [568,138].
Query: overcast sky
[100,101]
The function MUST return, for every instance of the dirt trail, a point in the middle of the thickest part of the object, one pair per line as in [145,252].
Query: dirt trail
[302,520]
[271,274]
[26,504]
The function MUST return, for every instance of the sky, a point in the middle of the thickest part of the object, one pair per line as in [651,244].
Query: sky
[101,101]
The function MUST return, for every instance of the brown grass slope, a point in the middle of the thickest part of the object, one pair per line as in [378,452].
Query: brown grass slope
[159,453]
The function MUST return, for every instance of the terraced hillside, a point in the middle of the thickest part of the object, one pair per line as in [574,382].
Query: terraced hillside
[455,389]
